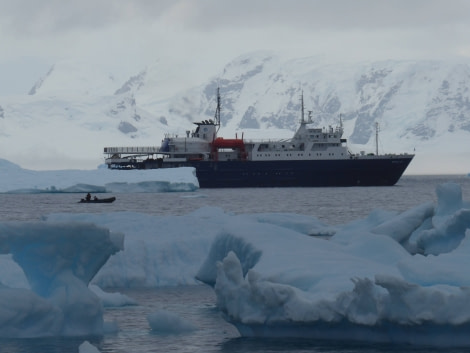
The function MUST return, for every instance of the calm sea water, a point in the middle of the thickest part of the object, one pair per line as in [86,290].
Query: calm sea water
[197,303]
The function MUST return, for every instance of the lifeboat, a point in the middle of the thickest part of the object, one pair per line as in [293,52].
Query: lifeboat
[235,144]
[220,142]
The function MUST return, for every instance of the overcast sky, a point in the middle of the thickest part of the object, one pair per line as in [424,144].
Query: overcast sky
[127,35]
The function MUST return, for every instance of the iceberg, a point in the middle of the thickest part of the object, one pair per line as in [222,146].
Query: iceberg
[166,322]
[388,278]
[58,261]
[18,180]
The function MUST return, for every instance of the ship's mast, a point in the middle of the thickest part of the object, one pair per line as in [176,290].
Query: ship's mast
[377,129]
[217,110]
[302,117]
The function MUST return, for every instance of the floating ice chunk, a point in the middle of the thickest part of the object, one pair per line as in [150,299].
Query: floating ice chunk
[18,180]
[112,299]
[87,347]
[166,322]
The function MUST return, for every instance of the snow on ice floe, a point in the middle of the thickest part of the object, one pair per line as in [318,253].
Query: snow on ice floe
[18,180]
[390,277]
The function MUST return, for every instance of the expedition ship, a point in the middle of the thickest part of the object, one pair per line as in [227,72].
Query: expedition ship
[312,157]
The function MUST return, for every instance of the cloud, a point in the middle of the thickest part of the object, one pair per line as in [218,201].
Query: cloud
[326,15]
[209,33]
[32,17]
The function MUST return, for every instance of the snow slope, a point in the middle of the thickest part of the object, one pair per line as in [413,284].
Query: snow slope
[76,109]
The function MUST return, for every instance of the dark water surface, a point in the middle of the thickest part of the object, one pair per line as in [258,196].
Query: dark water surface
[196,304]
[332,205]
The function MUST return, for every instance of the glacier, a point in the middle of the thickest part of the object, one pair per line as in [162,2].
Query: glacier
[395,277]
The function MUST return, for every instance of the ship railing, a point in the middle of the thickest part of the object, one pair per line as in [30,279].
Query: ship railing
[265,140]
[132,150]
[371,155]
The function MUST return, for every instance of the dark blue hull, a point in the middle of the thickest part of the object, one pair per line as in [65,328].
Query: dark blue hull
[349,172]
[362,171]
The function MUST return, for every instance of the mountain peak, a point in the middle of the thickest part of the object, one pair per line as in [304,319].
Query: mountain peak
[76,78]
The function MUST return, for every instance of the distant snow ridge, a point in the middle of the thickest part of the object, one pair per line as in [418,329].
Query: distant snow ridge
[133,83]
[39,82]
[72,79]
[413,101]
[429,96]
[419,105]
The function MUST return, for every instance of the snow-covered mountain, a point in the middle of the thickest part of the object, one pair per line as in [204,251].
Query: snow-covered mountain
[77,109]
